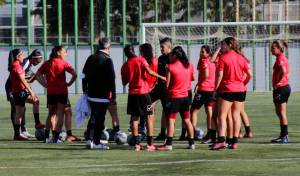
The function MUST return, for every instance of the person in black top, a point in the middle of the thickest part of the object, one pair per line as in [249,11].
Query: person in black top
[98,83]
[32,60]
[159,91]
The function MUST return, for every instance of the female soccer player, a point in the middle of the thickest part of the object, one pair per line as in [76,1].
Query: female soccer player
[178,82]
[133,72]
[57,88]
[281,88]
[231,84]
[205,88]
[32,60]
[21,91]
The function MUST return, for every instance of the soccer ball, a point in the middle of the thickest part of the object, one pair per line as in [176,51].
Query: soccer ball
[111,134]
[199,134]
[130,139]
[40,134]
[104,135]
[120,138]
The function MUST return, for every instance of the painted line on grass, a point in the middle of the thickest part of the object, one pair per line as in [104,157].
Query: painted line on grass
[153,163]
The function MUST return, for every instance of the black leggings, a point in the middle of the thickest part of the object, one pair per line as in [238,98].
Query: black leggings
[96,122]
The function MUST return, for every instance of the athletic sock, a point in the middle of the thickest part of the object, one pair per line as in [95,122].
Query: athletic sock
[163,131]
[36,118]
[55,135]
[17,130]
[136,140]
[221,139]
[191,141]
[47,133]
[247,129]
[284,130]
[228,140]
[69,133]
[213,135]
[208,134]
[234,140]
[116,128]
[23,128]
[149,140]
[183,132]
[169,141]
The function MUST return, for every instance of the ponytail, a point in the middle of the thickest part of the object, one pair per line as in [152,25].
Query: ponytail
[179,53]
[13,54]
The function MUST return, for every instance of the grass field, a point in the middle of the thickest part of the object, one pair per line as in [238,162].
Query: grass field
[256,156]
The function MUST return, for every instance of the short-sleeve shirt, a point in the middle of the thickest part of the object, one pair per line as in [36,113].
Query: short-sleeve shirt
[206,84]
[55,71]
[233,66]
[134,73]
[281,61]
[179,84]
[154,67]
[16,72]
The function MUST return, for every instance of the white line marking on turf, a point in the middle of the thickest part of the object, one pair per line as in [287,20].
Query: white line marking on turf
[152,163]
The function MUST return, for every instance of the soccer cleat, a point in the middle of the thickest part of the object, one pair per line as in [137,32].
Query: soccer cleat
[233,146]
[160,137]
[218,146]
[248,135]
[137,147]
[88,144]
[284,139]
[39,126]
[192,147]
[58,141]
[72,138]
[99,146]
[20,138]
[206,141]
[165,148]
[150,147]
[27,134]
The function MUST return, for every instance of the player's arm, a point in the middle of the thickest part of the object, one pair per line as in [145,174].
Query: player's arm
[73,78]
[206,72]
[152,73]
[248,76]
[215,56]
[168,78]
[219,79]
[124,74]
[24,82]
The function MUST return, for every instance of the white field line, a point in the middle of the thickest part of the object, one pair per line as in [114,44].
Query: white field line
[152,163]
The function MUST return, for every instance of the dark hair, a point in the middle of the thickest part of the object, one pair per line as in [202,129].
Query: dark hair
[35,54]
[179,53]
[129,51]
[12,57]
[54,52]
[104,43]
[146,51]
[281,44]
[206,48]
[233,44]
[164,40]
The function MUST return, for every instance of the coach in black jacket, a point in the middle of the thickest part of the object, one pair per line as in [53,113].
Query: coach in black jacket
[98,82]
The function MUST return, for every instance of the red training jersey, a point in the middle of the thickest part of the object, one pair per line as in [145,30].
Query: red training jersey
[206,84]
[278,79]
[233,66]
[192,77]
[55,71]
[133,72]
[15,73]
[179,82]
[154,67]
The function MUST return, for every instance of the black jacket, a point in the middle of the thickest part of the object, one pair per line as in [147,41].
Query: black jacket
[99,76]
